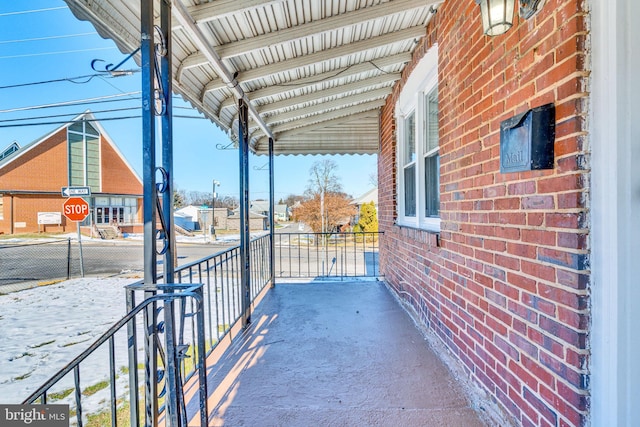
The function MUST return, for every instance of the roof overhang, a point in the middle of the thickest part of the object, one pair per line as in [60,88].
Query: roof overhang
[313,73]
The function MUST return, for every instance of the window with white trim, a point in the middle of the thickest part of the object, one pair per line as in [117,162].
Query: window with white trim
[418,147]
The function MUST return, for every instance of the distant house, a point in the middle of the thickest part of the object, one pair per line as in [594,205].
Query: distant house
[368,197]
[256,221]
[77,154]
[262,207]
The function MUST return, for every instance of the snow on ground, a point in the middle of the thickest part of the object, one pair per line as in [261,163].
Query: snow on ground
[44,328]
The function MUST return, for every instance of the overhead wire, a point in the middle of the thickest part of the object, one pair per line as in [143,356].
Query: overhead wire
[92,120]
[88,78]
[70,103]
[28,55]
[22,12]
[34,39]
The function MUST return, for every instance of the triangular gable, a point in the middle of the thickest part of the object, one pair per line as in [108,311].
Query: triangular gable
[88,116]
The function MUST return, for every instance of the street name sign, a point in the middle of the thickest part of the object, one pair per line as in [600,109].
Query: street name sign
[75,208]
[76,191]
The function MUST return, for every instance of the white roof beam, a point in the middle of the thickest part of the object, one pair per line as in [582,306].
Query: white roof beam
[328,116]
[361,85]
[333,123]
[200,41]
[301,114]
[332,23]
[207,12]
[315,58]
[339,73]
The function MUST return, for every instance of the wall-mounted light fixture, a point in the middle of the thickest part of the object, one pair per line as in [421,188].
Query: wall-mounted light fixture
[497,15]
[528,8]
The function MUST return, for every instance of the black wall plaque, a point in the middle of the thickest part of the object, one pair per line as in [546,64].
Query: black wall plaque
[526,140]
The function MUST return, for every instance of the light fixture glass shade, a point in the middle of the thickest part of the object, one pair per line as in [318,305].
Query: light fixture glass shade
[497,16]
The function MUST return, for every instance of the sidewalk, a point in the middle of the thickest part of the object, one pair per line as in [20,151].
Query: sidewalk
[333,354]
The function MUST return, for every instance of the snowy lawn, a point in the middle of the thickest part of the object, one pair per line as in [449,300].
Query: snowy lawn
[44,328]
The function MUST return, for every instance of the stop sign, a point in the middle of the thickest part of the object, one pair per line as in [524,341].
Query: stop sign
[75,208]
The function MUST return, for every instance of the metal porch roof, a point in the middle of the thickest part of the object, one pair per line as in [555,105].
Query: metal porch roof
[315,72]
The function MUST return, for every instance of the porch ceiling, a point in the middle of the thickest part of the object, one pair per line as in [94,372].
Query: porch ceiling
[315,72]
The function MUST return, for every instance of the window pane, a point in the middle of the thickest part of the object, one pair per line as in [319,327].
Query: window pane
[410,190]
[90,129]
[409,139]
[432,158]
[76,159]
[432,185]
[93,163]
[431,116]
[76,127]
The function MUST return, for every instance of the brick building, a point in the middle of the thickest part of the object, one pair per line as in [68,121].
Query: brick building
[497,265]
[79,153]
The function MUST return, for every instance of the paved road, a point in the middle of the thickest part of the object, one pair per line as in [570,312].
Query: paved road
[42,262]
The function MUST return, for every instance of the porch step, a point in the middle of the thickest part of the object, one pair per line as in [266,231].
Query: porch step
[108,232]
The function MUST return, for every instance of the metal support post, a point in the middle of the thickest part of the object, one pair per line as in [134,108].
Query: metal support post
[245,236]
[147,52]
[272,211]
[173,383]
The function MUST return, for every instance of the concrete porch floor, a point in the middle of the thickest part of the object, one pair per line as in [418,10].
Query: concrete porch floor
[333,354]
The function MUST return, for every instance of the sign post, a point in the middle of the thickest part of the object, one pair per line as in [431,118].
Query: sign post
[77,209]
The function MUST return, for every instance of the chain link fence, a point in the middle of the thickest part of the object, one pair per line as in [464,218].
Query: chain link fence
[21,263]
[24,265]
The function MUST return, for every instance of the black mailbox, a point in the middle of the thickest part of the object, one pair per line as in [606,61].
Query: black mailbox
[526,140]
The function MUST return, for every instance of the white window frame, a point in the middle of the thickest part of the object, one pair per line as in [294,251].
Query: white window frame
[85,134]
[422,80]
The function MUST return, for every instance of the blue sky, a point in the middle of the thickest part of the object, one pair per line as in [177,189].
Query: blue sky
[50,44]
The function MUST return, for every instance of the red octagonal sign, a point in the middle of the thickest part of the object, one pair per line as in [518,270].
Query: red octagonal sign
[75,208]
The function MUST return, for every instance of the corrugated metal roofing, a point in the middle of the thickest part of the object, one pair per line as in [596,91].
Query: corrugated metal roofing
[315,72]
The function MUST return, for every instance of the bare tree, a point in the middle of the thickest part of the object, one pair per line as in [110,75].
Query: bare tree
[323,178]
[373,178]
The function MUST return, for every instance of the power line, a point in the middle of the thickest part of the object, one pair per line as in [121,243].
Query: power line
[112,110]
[27,55]
[70,103]
[36,39]
[22,12]
[105,119]
[88,78]
[52,116]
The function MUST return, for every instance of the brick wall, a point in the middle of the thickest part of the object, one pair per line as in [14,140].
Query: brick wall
[117,177]
[505,284]
[35,171]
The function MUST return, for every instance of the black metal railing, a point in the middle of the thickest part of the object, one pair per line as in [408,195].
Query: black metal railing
[67,386]
[327,255]
[202,319]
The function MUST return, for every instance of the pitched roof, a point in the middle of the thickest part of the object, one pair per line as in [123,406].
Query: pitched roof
[88,116]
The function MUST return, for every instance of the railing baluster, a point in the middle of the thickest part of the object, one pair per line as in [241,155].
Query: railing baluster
[78,392]
[112,381]
[209,299]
